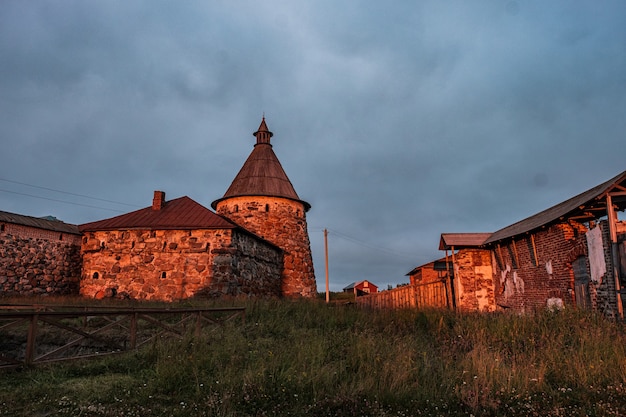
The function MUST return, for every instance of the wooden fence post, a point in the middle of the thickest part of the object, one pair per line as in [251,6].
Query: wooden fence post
[31,340]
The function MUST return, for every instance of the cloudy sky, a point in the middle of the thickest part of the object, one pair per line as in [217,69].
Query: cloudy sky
[397,121]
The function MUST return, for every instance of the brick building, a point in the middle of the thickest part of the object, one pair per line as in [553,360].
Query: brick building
[572,253]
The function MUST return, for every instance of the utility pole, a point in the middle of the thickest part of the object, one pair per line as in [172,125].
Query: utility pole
[326,256]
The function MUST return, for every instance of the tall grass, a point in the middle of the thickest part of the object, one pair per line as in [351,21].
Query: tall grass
[307,358]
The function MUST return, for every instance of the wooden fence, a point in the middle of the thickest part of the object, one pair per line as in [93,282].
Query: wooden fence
[31,335]
[430,295]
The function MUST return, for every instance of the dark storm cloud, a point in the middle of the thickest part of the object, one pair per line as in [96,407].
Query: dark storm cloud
[396,123]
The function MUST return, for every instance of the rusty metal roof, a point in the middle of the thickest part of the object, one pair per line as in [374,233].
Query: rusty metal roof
[588,205]
[262,174]
[462,240]
[38,222]
[181,213]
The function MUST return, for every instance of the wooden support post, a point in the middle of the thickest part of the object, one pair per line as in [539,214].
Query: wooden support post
[326,259]
[532,241]
[450,284]
[133,331]
[515,253]
[499,249]
[198,331]
[31,340]
[614,253]
[457,282]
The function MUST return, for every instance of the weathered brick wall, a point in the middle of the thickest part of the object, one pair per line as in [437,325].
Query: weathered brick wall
[177,264]
[473,277]
[27,232]
[604,296]
[524,282]
[282,222]
[38,266]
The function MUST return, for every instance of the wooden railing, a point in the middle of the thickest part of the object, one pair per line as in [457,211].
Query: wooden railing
[31,335]
[430,295]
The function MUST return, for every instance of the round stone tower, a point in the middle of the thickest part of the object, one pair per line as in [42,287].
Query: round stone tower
[262,200]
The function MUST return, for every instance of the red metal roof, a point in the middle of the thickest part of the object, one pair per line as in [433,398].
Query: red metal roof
[181,213]
[262,174]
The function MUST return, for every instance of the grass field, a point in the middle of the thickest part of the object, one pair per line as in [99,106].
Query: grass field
[309,358]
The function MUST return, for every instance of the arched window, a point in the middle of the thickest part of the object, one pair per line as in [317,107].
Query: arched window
[95,275]
[163,275]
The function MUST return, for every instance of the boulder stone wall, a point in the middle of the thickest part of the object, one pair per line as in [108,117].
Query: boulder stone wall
[173,264]
[36,266]
[282,222]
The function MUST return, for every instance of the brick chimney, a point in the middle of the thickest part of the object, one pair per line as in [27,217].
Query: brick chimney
[158,202]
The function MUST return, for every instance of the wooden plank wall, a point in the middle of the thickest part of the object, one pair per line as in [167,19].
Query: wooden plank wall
[431,295]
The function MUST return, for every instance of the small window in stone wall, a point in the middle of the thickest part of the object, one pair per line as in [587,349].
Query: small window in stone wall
[61,236]
[267,208]
[163,275]
[235,208]
[95,275]
[1,227]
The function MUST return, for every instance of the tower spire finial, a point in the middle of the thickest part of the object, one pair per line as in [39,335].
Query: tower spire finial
[263,134]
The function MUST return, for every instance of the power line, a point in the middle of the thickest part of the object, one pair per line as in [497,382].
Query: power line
[370,246]
[59,201]
[62,192]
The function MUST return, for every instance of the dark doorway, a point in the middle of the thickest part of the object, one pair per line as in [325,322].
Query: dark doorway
[581,283]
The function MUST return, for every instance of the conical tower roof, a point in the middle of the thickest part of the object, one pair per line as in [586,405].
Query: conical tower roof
[262,174]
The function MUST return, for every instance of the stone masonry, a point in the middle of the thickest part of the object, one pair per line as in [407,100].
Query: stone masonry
[282,222]
[177,264]
[474,280]
[38,266]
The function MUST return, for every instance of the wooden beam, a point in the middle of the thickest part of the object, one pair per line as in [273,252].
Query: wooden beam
[532,241]
[515,253]
[499,249]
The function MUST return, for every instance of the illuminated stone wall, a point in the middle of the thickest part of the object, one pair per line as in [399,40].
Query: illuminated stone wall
[36,265]
[282,222]
[177,264]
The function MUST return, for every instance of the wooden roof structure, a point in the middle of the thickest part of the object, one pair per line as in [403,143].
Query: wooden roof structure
[462,240]
[589,205]
[39,223]
[438,265]
[262,174]
[357,283]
